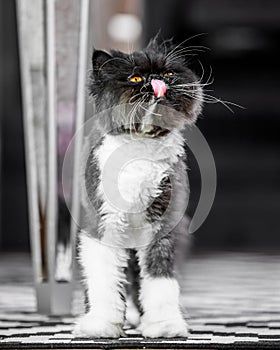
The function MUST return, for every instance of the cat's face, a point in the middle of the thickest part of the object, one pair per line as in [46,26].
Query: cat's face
[148,80]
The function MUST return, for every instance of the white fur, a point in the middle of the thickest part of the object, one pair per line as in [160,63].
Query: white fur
[133,161]
[91,326]
[103,270]
[131,171]
[160,301]
[198,101]
[132,314]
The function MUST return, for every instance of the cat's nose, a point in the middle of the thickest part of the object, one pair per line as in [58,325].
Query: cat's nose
[159,87]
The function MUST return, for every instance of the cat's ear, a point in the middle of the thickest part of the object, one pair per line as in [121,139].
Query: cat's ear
[99,58]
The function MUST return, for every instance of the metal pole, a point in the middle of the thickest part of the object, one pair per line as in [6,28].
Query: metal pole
[29,140]
[51,214]
[39,88]
[80,117]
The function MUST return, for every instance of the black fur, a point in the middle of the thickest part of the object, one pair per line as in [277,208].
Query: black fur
[133,278]
[161,202]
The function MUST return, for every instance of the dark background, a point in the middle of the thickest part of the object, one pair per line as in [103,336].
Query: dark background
[14,221]
[244,40]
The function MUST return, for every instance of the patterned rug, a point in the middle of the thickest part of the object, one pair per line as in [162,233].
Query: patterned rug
[232,301]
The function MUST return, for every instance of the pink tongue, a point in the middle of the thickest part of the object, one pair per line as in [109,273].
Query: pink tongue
[159,87]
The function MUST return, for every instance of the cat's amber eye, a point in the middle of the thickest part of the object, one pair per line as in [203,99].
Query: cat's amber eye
[168,74]
[136,79]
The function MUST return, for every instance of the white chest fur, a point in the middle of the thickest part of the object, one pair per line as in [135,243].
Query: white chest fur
[133,167]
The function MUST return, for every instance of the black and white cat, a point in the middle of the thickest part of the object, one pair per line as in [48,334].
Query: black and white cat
[136,188]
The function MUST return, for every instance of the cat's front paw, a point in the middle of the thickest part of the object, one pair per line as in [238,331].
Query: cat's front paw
[91,326]
[132,314]
[166,329]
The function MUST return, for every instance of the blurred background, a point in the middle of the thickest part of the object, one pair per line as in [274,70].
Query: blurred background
[243,37]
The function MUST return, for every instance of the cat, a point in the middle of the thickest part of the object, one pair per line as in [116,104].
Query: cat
[136,188]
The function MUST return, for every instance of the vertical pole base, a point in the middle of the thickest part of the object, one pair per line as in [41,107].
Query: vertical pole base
[54,298]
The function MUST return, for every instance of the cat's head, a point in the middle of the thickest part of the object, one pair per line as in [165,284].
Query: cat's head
[148,81]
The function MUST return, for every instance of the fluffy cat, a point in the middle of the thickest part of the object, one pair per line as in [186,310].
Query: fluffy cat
[127,249]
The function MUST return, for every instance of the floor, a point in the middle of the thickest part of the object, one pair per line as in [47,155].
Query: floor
[232,301]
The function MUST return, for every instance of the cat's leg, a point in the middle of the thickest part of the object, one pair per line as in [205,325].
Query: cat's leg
[103,268]
[159,294]
[132,317]
[133,308]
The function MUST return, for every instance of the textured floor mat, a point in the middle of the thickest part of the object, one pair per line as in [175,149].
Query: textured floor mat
[230,301]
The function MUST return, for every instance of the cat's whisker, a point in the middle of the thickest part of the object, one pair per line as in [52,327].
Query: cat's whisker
[212,99]
[133,116]
[142,94]
[192,91]
[131,120]
[210,79]
[134,97]
[195,83]
[183,54]
[186,40]
[186,51]
[199,82]
[132,127]
[151,112]
[225,103]
[176,58]
[145,86]
[203,70]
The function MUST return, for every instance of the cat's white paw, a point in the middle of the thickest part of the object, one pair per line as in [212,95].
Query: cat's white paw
[166,329]
[132,314]
[91,326]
